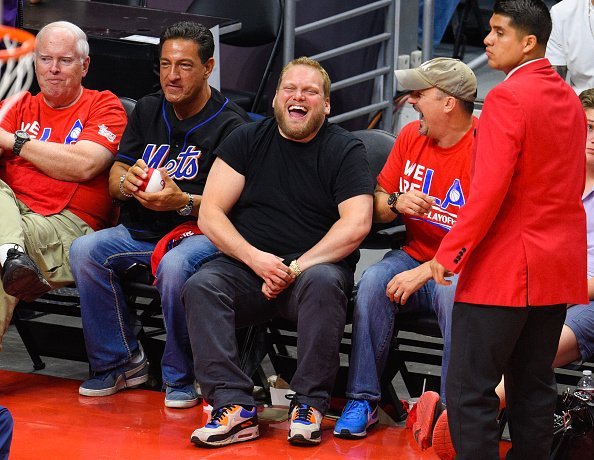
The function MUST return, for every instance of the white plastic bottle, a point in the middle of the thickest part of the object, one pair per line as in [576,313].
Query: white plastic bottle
[586,385]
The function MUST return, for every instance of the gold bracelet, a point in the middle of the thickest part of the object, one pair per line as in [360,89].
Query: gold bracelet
[294,266]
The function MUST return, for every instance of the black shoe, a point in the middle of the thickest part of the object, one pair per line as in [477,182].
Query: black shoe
[21,278]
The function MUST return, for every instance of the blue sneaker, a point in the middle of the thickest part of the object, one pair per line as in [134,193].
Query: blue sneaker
[130,375]
[228,424]
[181,398]
[357,416]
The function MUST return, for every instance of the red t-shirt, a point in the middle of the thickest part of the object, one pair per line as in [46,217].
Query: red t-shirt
[97,117]
[416,162]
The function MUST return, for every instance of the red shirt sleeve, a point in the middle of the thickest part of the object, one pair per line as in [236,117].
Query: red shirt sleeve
[106,122]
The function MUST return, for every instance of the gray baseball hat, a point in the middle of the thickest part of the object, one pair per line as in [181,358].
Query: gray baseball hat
[451,76]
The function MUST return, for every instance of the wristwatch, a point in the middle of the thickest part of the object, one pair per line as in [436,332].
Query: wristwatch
[294,266]
[187,209]
[20,138]
[393,199]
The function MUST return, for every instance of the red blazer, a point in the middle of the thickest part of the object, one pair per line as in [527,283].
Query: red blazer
[521,237]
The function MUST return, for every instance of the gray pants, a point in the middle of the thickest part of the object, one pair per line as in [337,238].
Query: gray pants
[225,294]
[46,239]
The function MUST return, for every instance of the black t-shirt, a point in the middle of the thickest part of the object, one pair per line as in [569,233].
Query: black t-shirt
[292,190]
[183,147]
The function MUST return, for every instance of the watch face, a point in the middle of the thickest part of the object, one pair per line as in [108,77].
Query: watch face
[391,199]
[22,135]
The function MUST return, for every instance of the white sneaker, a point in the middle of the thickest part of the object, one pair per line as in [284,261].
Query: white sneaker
[305,424]
[228,424]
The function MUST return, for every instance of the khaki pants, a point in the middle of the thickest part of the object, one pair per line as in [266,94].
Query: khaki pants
[47,240]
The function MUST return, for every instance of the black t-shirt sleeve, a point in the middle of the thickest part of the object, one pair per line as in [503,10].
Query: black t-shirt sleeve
[354,177]
[234,149]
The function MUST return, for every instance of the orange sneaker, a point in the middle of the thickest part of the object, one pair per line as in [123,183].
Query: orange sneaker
[442,441]
[429,409]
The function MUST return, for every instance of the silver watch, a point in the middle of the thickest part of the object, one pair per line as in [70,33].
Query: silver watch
[187,209]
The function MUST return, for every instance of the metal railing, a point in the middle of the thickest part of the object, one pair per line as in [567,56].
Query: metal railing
[385,72]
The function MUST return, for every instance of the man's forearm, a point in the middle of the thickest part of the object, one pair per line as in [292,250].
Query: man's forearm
[342,239]
[74,163]
[116,172]
[382,213]
[223,234]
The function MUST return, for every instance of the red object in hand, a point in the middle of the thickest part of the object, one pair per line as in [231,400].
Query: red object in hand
[154,182]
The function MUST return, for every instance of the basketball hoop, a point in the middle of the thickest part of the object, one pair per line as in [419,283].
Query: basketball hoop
[16,65]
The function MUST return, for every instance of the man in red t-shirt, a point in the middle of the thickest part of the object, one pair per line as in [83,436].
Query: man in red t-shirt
[424,182]
[55,150]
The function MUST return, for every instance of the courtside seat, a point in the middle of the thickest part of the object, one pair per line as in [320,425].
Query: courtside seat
[418,340]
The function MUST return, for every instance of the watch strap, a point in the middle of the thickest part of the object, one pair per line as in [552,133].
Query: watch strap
[19,141]
[187,209]
[394,201]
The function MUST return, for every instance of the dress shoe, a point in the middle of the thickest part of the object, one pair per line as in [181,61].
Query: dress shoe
[21,278]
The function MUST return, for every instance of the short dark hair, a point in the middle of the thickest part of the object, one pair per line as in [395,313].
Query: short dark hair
[188,30]
[587,98]
[467,106]
[529,16]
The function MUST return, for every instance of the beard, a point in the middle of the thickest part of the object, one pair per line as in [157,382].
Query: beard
[303,130]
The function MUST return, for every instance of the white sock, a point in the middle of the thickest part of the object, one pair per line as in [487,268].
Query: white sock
[4,251]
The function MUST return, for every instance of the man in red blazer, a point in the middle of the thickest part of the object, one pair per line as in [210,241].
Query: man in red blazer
[519,243]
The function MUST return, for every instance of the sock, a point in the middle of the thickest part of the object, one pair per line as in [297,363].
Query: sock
[4,251]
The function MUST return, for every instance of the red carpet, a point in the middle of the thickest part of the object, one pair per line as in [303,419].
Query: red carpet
[53,422]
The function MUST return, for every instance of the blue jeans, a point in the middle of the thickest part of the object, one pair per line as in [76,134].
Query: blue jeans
[580,319]
[98,261]
[6,426]
[374,318]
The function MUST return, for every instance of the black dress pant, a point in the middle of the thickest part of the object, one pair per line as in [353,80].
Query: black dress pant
[520,344]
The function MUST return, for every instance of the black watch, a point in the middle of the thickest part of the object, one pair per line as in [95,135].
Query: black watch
[393,199]
[20,138]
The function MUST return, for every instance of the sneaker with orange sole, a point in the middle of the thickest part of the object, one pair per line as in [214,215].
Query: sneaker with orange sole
[441,440]
[429,408]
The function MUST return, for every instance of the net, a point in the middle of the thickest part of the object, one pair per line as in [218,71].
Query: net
[16,65]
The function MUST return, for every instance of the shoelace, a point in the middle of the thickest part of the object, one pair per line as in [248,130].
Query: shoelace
[13,252]
[218,414]
[354,410]
[304,413]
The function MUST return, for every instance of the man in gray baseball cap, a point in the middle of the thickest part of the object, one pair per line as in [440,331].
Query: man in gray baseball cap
[444,79]
[425,182]
[451,76]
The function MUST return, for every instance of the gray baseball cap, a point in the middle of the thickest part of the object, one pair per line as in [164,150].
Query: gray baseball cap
[451,76]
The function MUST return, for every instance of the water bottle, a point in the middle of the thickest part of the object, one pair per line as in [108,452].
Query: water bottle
[586,387]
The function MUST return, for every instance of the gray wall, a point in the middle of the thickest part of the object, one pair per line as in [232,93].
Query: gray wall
[242,68]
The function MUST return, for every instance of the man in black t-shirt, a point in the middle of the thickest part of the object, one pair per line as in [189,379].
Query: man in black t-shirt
[288,201]
[176,131]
